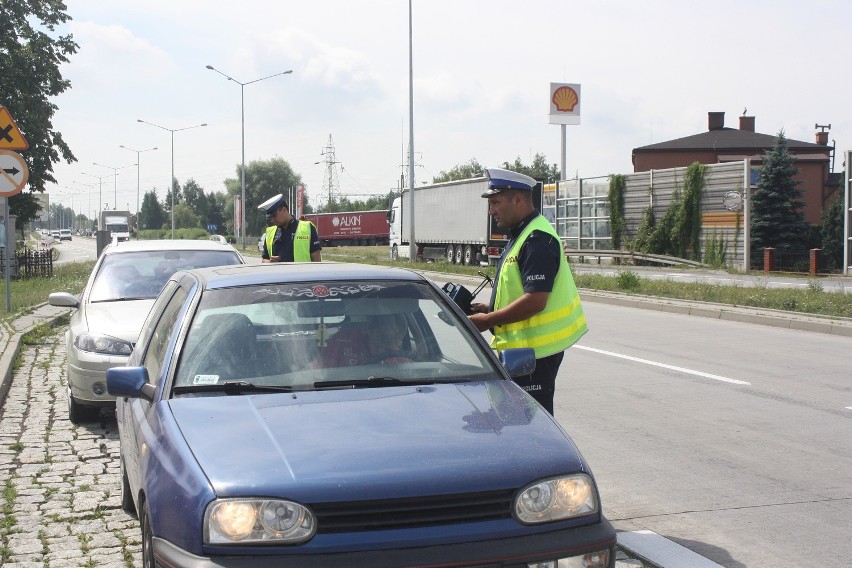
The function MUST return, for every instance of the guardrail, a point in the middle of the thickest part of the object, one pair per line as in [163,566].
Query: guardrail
[633,255]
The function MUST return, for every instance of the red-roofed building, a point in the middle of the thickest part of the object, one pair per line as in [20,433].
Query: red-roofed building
[722,144]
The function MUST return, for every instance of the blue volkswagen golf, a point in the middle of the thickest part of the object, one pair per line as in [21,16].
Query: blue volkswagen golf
[325,414]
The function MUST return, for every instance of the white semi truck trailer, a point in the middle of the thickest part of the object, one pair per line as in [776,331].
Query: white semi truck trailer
[451,221]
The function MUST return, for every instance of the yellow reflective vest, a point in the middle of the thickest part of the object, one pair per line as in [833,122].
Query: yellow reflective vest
[301,241]
[559,325]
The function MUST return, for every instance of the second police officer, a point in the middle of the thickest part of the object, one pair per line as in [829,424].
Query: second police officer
[287,239]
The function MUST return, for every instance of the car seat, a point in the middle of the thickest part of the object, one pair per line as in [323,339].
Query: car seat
[224,345]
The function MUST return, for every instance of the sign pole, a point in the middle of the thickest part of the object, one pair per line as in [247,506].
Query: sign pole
[6,263]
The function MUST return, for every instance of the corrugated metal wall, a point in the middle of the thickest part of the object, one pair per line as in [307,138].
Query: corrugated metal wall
[720,180]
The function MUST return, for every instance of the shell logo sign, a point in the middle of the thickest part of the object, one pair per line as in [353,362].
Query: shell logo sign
[564,103]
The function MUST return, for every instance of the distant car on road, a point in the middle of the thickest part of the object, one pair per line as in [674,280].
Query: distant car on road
[55,234]
[121,289]
[65,234]
[327,414]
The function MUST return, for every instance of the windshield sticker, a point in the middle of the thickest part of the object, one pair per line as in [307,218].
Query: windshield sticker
[205,379]
[321,291]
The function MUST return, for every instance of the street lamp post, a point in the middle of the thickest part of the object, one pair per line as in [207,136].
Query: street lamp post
[115,180]
[100,195]
[172,182]
[138,161]
[90,186]
[243,144]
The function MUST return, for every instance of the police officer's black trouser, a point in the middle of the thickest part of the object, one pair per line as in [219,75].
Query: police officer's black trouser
[542,382]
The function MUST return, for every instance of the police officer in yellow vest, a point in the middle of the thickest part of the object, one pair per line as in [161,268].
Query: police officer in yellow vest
[534,302]
[287,239]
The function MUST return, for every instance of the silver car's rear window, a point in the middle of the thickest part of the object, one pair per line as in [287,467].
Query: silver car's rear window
[142,274]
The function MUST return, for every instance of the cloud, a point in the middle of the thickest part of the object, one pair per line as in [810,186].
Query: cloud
[112,53]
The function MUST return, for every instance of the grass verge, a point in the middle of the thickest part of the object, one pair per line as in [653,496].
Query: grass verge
[810,300]
[25,293]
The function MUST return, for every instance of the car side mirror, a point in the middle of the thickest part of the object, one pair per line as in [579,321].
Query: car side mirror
[518,362]
[63,300]
[130,382]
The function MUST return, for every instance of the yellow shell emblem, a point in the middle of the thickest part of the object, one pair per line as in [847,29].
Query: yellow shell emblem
[565,99]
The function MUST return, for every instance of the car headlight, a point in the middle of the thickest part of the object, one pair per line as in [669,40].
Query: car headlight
[242,521]
[556,499]
[102,344]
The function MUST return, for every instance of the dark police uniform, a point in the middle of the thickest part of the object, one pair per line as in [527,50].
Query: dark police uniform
[538,262]
[282,242]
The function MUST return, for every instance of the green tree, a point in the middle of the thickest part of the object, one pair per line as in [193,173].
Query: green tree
[192,194]
[219,203]
[471,169]
[30,57]
[831,231]
[264,178]
[186,218]
[777,218]
[151,214]
[26,207]
[167,202]
[538,169]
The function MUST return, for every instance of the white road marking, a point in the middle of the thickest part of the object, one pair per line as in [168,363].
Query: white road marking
[662,551]
[663,365]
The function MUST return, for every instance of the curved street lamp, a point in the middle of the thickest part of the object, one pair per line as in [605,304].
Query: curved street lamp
[172,182]
[243,128]
[115,179]
[100,195]
[138,161]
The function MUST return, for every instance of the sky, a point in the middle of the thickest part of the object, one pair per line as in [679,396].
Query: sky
[649,72]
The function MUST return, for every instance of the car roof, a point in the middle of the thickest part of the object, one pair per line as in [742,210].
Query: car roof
[283,273]
[166,244]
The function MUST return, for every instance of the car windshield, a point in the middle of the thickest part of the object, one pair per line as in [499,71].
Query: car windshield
[327,336]
[142,274]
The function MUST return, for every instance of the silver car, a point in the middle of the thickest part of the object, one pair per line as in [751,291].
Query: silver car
[123,285]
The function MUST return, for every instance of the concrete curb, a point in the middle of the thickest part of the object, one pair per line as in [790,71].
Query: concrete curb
[759,316]
[13,334]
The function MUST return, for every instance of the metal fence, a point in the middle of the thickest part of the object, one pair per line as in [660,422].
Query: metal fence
[795,261]
[27,263]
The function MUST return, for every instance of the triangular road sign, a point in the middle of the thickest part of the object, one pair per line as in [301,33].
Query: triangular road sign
[10,135]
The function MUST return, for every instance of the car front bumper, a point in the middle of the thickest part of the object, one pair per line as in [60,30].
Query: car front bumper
[87,376]
[503,553]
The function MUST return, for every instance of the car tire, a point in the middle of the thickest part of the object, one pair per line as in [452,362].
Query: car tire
[147,538]
[394,253]
[78,413]
[127,504]
[451,255]
[459,255]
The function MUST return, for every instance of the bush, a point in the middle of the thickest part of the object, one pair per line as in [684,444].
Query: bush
[628,280]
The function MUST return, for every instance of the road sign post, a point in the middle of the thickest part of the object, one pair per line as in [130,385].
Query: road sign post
[14,174]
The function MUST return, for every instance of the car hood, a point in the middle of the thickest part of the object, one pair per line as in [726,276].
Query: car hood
[375,443]
[119,319]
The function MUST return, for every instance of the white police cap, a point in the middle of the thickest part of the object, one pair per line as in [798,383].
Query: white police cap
[499,179]
[273,203]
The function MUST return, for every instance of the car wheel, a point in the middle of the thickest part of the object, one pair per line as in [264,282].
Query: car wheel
[127,504]
[147,538]
[459,254]
[78,413]
[394,253]
[451,254]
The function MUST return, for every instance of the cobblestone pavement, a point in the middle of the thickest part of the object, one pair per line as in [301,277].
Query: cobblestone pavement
[61,483]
